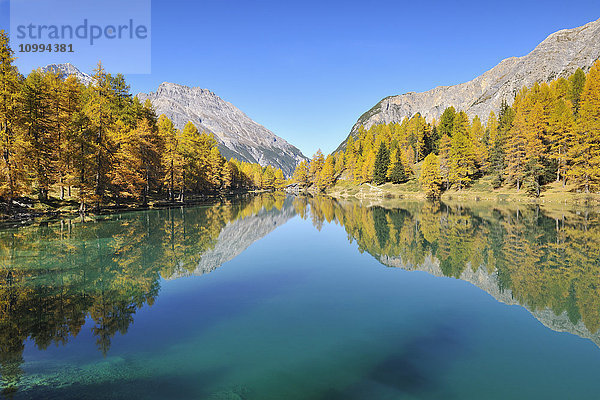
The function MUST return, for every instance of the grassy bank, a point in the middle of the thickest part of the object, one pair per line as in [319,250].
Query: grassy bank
[480,190]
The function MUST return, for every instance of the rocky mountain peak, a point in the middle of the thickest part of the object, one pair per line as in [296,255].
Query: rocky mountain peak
[237,134]
[559,55]
[68,69]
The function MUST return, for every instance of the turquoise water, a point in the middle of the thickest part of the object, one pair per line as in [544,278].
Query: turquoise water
[281,298]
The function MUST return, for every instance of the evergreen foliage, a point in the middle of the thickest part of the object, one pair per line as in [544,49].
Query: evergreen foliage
[382,161]
[397,172]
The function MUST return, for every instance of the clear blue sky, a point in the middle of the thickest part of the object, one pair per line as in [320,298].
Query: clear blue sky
[307,70]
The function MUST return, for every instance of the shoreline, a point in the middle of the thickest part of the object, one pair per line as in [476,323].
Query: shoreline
[389,193]
[22,215]
[386,194]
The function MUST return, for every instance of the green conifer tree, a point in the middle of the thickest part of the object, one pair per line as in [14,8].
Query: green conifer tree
[382,161]
[397,174]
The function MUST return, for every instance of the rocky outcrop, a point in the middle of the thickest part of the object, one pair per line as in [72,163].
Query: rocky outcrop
[559,55]
[237,135]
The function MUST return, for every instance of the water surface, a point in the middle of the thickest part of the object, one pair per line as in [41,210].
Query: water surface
[274,297]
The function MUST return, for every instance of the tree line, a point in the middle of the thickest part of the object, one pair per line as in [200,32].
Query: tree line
[551,132]
[100,145]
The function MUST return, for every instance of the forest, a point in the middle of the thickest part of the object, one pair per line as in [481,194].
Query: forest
[98,145]
[551,133]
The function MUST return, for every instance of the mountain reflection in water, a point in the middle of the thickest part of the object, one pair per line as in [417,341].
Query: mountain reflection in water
[56,276]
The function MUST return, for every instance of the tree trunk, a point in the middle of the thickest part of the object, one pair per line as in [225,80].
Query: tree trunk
[172,195]
[11,183]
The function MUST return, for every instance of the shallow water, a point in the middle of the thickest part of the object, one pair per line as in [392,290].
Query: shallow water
[287,298]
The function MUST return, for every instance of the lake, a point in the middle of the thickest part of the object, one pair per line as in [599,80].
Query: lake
[275,297]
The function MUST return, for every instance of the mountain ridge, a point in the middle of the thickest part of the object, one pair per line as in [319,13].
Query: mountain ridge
[68,69]
[237,135]
[559,55]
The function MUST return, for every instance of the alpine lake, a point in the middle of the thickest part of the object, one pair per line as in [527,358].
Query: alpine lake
[280,297]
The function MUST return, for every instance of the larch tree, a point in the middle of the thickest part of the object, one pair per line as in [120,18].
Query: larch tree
[215,167]
[535,150]
[577,84]
[40,143]
[462,154]
[316,164]
[499,143]
[430,179]
[301,174]
[172,159]
[585,151]
[99,112]
[59,121]
[491,128]
[71,125]
[445,159]
[268,178]
[128,175]
[188,146]
[327,174]
[80,151]
[516,154]
[12,178]
[279,179]
[560,131]
[350,157]
[339,163]
[368,166]
[228,177]
[479,146]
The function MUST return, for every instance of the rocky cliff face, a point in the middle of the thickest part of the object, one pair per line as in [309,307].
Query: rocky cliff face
[237,135]
[489,283]
[557,56]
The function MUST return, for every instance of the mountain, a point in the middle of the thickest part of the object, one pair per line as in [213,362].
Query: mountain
[68,69]
[237,135]
[559,55]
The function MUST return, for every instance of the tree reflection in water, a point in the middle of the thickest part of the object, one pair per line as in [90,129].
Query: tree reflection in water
[55,275]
